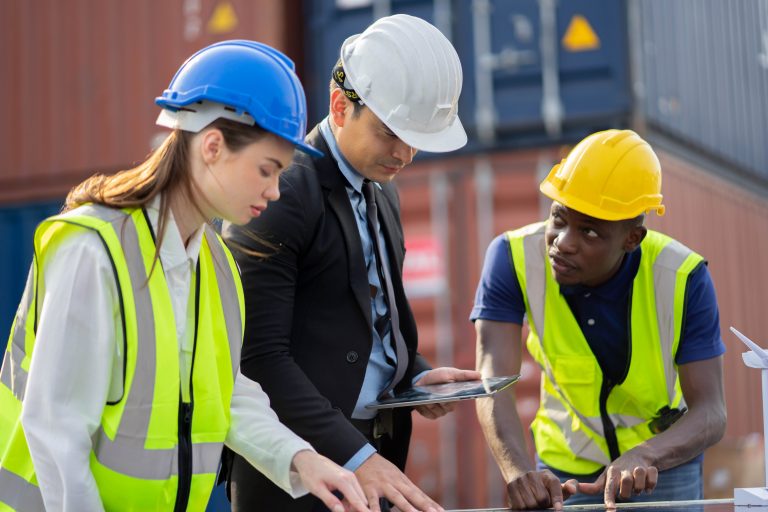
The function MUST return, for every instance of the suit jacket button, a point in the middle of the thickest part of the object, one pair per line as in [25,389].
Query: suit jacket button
[351,356]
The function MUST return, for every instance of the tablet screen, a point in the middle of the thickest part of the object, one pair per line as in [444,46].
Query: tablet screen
[445,392]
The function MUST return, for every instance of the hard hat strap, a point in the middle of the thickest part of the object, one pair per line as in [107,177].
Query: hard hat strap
[340,77]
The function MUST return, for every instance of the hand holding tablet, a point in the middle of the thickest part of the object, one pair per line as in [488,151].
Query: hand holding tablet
[445,392]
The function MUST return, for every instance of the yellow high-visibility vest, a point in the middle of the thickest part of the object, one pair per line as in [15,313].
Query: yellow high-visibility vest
[155,449]
[570,430]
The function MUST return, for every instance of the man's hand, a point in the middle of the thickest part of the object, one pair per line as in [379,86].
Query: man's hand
[439,376]
[628,475]
[321,476]
[380,478]
[539,489]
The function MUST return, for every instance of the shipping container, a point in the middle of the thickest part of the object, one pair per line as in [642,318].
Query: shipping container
[460,203]
[444,201]
[17,226]
[703,69]
[80,77]
[534,71]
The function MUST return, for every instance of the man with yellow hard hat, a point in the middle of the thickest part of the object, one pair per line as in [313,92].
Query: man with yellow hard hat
[623,322]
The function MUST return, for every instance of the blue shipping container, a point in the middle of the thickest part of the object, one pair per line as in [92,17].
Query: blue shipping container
[520,60]
[705,79]
[17,227]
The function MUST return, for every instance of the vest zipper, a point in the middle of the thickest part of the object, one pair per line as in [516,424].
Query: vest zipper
[185,456]
[185,419]
[609,429]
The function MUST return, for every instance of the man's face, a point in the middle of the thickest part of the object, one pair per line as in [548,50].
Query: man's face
[367,144]
[585,250]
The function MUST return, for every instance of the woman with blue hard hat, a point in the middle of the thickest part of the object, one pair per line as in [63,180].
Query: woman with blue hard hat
[121,380]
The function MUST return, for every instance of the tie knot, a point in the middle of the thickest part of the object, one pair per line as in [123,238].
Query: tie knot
[368,192]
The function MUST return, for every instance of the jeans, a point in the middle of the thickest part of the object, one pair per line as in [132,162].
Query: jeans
[683,482]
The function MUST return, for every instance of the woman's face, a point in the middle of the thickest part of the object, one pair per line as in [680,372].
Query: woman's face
[238,185]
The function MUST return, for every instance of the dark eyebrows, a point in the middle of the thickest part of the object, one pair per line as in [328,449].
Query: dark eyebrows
[276,162]
[386,128]
[580,219]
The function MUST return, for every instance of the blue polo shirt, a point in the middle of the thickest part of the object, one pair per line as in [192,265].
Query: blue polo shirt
[602,311]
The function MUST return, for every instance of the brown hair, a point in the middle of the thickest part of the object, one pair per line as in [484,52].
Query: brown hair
[166,171]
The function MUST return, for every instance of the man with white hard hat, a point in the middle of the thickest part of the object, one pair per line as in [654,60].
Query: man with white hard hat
[328,327]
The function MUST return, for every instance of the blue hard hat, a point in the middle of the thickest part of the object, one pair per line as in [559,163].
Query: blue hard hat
[254,79]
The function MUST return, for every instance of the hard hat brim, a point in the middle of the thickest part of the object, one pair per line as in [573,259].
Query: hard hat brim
[449,139]
[206,112]
[593,211]
[306,148]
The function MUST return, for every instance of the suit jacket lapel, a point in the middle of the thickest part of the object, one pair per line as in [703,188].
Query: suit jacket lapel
[333,183]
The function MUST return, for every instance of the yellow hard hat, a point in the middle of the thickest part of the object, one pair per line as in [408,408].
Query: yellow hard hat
[610,175]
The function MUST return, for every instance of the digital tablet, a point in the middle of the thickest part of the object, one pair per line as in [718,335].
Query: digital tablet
[445,392]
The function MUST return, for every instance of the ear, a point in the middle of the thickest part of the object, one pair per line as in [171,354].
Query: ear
[212,145]
[339,105]
[635,236]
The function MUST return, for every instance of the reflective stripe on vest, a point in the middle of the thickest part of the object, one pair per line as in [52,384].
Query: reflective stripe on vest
[13,375]
[24,496]
[670,263]
[230,291]
[126,453]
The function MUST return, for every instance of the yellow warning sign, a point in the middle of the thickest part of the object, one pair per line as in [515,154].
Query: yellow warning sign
[223,19]
[579,36]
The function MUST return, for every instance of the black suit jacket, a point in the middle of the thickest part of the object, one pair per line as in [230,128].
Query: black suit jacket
[308,317]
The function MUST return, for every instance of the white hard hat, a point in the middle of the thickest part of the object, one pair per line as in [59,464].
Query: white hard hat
[409,75]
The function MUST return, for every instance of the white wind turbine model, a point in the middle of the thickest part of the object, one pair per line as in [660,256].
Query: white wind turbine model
[756,358]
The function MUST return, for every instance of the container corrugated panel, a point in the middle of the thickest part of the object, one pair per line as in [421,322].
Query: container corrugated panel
[80,77]
[725,223]
[591,59]
[449,458]
[17,226]
[705,76]
[729,227]
[592,72]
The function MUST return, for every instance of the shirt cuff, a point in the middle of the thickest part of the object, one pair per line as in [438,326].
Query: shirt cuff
[418,376]
[362,455]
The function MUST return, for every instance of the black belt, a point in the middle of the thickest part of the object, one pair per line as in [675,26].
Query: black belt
[376,427]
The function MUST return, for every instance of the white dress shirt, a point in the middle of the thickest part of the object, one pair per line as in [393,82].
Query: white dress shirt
[76,369]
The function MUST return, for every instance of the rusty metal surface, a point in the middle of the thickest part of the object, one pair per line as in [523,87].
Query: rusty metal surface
[474,479]
[729,227]
[80,77]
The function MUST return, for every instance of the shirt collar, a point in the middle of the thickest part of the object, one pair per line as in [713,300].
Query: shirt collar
[617,286]
[354,178]
[172,250]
